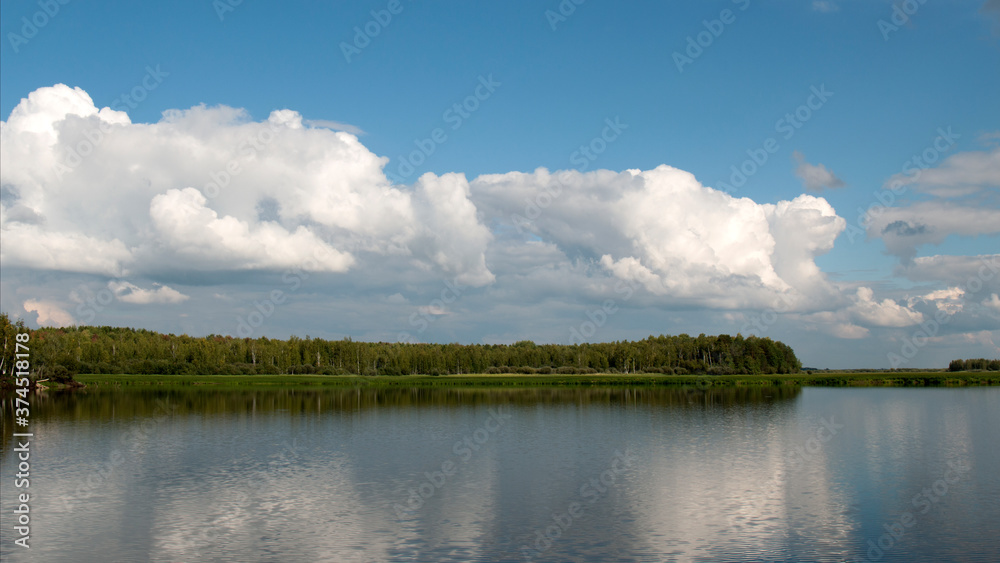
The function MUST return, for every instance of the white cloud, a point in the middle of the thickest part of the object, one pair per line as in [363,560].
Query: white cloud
[131,293]
[825,6]
[207,188]
[335,126]
[33,246]
[905,229]
[815,177]
[849,331]
[992,303]
[435,310]
[454,237]
[985,338]
[886,313]
[948,300]
[207,196]
[196,232]
[864,311]
[663,231]
[963,189]
[49,313]
[955,271]
[396,299]
[960,174]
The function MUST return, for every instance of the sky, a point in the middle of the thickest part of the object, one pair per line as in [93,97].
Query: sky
[824,173]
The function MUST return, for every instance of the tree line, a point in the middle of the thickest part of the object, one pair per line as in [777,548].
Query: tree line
[974,364]
[106,349]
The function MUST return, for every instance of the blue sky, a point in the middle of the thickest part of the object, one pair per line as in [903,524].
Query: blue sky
[555,83]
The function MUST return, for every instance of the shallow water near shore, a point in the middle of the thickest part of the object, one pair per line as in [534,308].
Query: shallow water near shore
[769,473]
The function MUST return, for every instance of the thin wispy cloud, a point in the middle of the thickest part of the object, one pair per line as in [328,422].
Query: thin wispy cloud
[815,177]
[825,6]
[335,126]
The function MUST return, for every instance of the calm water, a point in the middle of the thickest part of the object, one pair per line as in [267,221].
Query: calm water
[543,475]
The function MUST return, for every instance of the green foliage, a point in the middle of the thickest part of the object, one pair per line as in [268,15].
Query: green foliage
[109,350]
[978,364]
[8,332]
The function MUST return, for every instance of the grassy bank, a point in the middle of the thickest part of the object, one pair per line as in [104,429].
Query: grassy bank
[825,379]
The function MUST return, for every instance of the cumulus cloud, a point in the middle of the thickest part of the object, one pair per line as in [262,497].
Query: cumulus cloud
[815,177]
[32,246]
[131,293]
[947,300]
[210,194]
[863,312]
[86,190]
[665,232]
[196,232]
[886,313]
[49,313]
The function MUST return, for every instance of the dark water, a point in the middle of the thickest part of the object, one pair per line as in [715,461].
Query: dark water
[764,474]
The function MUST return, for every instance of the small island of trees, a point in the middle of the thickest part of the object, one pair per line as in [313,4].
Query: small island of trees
[978,364]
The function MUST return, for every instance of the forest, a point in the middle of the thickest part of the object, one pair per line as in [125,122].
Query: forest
[977,364]
[107,350]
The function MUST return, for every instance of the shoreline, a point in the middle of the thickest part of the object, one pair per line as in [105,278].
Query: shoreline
[824,379]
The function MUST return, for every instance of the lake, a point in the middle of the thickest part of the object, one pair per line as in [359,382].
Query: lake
[764,473]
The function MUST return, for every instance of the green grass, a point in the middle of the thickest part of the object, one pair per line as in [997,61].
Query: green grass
[826,379]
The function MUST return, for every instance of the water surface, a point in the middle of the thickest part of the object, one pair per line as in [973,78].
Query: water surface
[594,474]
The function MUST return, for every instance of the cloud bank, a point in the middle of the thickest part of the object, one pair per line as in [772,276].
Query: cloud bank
[208,193]
[88,191]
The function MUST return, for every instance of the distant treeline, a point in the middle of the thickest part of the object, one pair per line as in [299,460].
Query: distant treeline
[976,364]
[89,349]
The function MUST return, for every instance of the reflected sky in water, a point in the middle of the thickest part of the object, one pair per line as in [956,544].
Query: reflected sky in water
[742,474]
